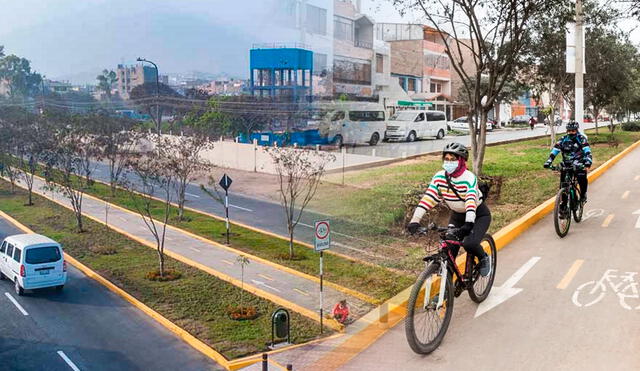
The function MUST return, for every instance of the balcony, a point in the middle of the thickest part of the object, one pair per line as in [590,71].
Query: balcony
[363,44]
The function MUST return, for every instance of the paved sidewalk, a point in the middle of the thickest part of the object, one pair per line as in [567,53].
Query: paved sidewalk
[285,287]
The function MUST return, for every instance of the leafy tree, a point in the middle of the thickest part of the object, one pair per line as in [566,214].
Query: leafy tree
[22,81]
[155,105]
[106,80]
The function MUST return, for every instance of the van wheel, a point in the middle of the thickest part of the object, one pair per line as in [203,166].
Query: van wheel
[411,137]
[375,138]
[440,134]
[16,286]
[59,287]
[338,141]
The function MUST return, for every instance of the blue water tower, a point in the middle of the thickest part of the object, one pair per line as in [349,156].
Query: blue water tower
[281,72]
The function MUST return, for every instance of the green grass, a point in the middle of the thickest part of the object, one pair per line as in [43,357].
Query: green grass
[375,281]
[197,302]
[375,196]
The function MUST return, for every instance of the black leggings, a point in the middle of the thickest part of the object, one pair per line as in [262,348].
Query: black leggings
[471,243]
[583,182]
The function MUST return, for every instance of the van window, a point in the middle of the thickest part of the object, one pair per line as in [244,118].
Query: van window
[366,115]
[4,246]
[39,255]
[435,116]
[420,117]
[403,116]
[10,250]
[17,255]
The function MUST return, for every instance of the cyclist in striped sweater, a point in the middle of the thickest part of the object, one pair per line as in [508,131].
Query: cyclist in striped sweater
[458,188]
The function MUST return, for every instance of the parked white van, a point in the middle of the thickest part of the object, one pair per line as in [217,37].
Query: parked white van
[410,125]
[32,261]
[352,122]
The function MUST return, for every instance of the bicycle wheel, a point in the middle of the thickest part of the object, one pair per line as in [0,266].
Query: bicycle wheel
[562,218]
[579,207]
[426,325]
[481,286]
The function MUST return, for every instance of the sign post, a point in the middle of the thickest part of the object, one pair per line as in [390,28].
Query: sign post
[322,241]
[225,183]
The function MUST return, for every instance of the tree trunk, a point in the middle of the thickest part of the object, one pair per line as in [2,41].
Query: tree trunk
[596,121]
[112,184]
[79,221]
[478,154]
[161,260]
[291,241]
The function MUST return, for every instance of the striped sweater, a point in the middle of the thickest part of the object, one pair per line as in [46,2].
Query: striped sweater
[467,187]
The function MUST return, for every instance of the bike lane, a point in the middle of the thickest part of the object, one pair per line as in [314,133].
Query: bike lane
[543,327]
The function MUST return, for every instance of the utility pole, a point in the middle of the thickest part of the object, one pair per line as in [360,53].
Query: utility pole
[579,101]
[159,124]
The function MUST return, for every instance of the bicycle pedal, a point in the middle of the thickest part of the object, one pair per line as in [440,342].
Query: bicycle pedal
[457,291]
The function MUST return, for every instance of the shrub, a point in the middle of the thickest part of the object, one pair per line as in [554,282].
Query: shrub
[631,126]
[243,313]
[169,275]
[103,250]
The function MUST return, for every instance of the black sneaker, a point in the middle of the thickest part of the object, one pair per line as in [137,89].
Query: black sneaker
[485,266]
[584,199]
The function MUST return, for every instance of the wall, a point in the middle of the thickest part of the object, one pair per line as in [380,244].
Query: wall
[407,57]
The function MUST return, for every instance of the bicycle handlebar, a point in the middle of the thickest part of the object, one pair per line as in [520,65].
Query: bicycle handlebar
[574,166]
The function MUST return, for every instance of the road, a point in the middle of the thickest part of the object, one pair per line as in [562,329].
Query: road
[556,322]
[403,149]
[90,326]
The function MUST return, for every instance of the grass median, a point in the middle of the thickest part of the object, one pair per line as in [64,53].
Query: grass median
[197,301]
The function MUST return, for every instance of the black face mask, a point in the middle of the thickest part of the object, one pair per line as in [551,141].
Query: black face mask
[572,136]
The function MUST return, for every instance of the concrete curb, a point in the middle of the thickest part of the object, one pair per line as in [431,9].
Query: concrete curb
[369,328]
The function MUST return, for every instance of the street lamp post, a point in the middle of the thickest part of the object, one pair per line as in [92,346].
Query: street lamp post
[159,125]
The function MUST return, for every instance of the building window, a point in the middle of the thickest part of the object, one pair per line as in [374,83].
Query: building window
[316,20]
[343,28]
[352,72]
[411,86]
[379,63]
[439,61]
[435,87]
[319,63]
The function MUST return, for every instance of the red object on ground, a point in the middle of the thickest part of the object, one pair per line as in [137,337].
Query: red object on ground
[340,312]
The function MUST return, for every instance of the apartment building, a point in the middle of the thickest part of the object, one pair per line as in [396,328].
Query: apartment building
[420,63]
[131,76]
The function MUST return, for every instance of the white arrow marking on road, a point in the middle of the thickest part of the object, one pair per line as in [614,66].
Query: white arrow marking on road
[503,293]
[260,283]
[637,212]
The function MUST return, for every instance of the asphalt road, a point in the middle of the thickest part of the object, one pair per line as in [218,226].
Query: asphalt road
[90,326]
[563,318]
[403,149]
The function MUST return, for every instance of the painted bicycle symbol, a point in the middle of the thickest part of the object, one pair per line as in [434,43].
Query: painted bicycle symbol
[623,285]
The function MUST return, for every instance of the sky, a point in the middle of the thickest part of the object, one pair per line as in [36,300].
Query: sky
[75,39]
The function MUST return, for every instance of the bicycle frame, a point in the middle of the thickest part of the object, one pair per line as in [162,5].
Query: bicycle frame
[446,259]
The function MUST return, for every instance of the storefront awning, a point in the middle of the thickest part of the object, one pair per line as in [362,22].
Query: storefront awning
[406,103]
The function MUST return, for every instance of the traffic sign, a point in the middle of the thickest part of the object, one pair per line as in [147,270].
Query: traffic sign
[322,240]
[225,182]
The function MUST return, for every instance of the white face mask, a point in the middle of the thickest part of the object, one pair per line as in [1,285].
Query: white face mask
[450,166]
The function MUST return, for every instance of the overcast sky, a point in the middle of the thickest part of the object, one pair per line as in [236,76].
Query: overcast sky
[74,39]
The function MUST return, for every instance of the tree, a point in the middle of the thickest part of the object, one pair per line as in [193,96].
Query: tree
[493,35]
[299,172]
[243,261]
[22,81]
[35,143]
[115,139]
[155,105]
[106,80]
[11,119]
[64,162]
[184,160]
[152,174]
[87,149]
[610,62]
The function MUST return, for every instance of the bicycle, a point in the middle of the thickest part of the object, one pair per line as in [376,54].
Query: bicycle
[568,199]
[431,299]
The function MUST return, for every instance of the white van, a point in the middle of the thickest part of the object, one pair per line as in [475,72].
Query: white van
[410,125]
[32,261]
[352,123]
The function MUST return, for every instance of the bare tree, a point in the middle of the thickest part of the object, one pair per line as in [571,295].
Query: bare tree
[116,141]
[243,261]
[183,156]
[491,34]
[35,143]
[152,174]
[9,128]
[299,172]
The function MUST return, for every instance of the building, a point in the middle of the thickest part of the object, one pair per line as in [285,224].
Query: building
[131,76]
[420,63]
[281,72]
[59,87]
[224,87]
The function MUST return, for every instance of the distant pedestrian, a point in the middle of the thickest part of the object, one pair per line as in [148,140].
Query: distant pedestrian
[341,311]
[532,122]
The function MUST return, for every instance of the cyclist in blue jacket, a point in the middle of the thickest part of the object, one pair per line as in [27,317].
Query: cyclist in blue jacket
[575,150]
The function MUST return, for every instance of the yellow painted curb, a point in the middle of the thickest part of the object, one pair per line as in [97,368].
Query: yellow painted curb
[348,291]
[397,305]
[247,287]
[183,334]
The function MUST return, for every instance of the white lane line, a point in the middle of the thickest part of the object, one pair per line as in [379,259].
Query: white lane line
[122,218]
[241,208]
[307,225]
[265,276]
[15,302]
[227,262]
[194,249]
[301,292]
[191,194]
[607,220]
[68,361]
[625,195]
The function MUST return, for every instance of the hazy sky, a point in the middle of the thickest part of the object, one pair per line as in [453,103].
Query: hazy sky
[74,39]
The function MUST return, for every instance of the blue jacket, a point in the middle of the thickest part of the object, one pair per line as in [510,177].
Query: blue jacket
[573,149]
